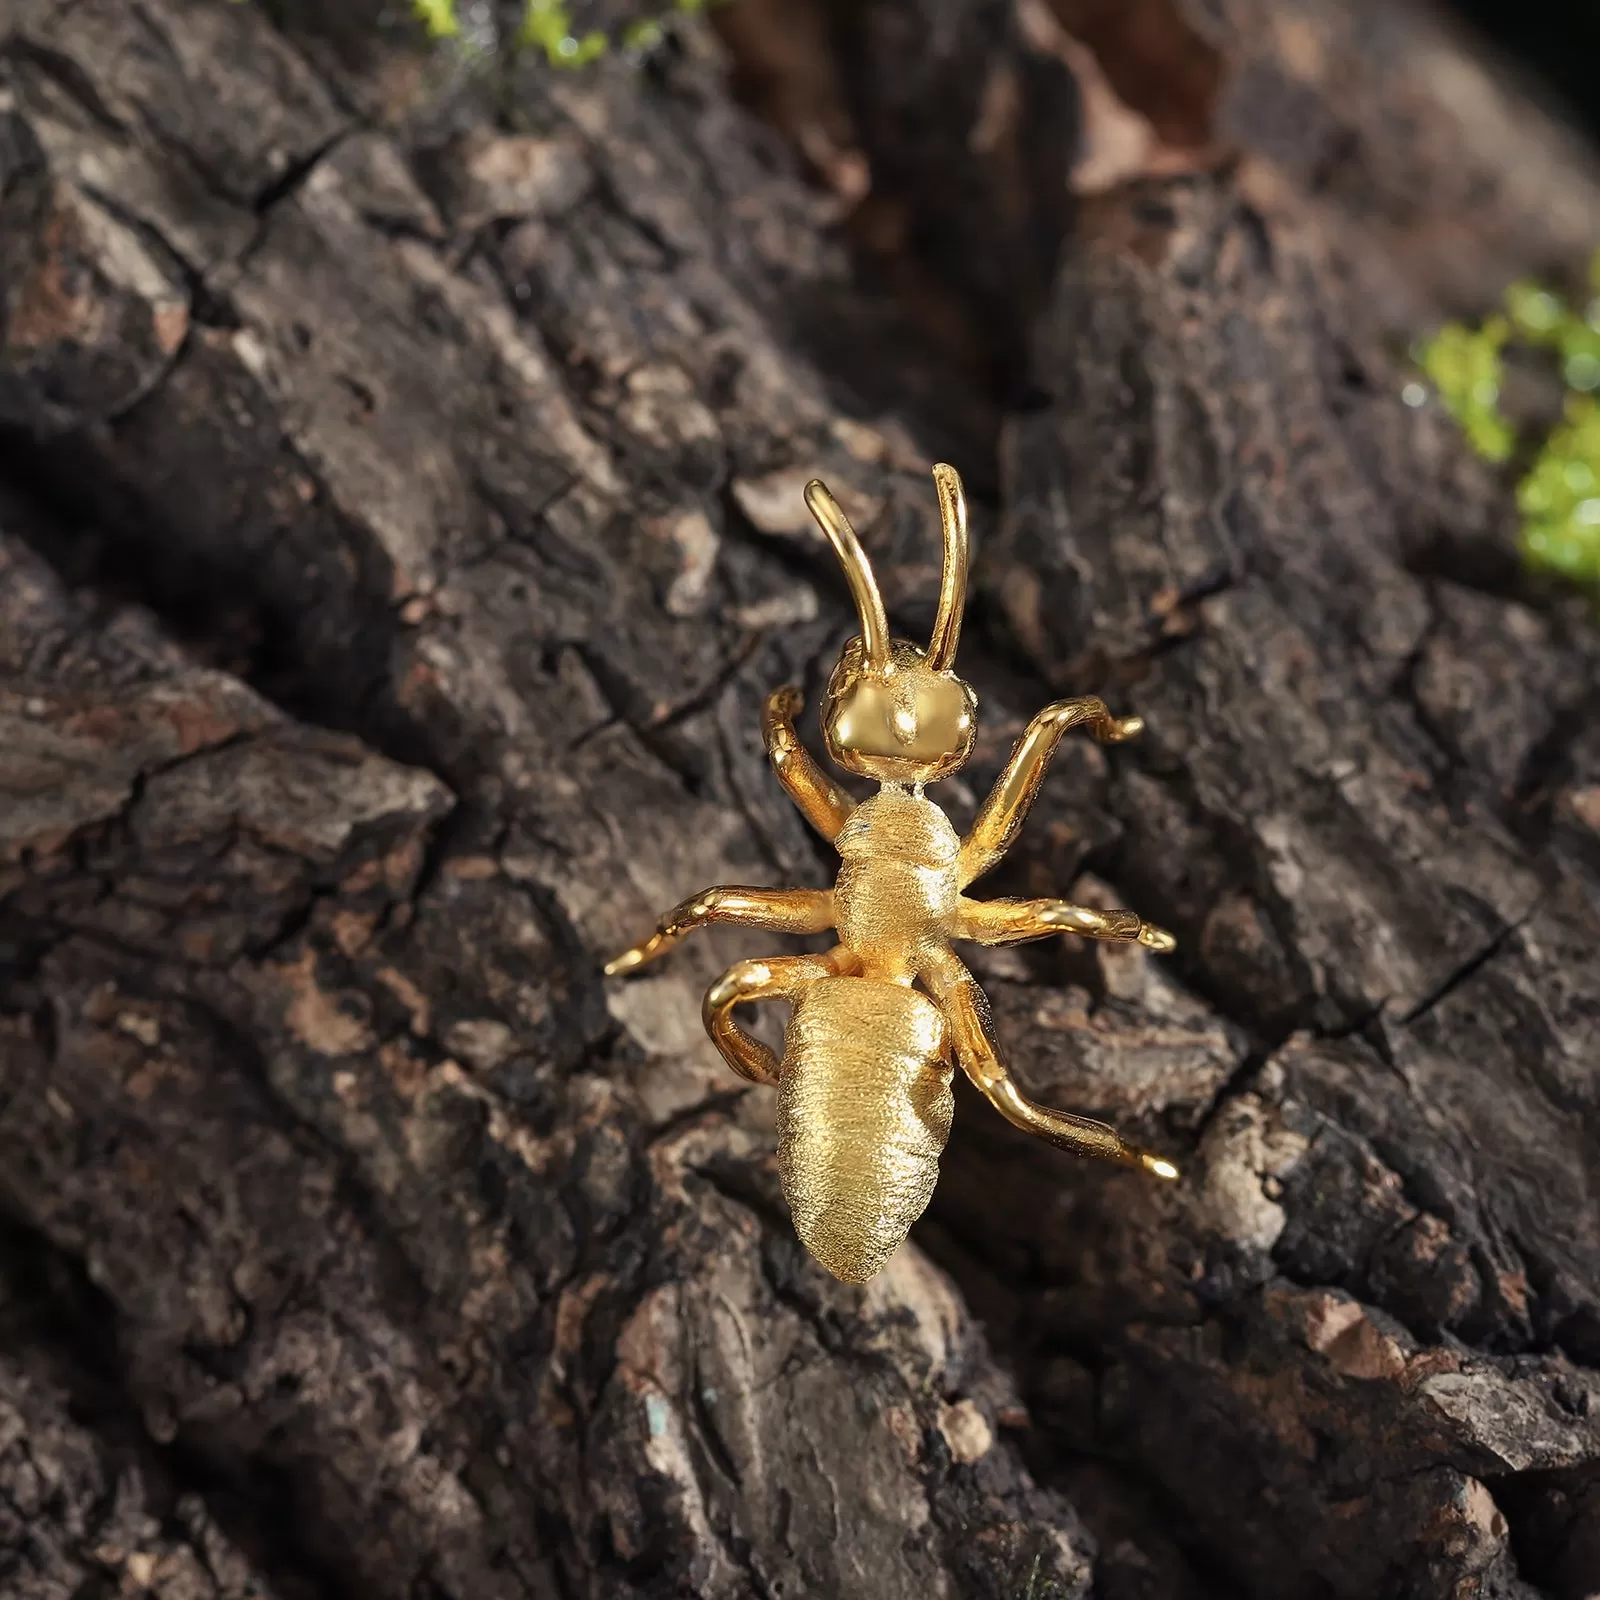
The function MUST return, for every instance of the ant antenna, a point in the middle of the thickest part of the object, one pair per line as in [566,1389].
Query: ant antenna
[857,570]
[953,582]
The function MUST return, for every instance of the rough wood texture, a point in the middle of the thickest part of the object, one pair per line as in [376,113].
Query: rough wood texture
[401,524]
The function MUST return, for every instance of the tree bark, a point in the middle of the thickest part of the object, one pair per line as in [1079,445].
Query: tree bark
[400,525]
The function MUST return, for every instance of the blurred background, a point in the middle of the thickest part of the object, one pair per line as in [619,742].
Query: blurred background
[1556,40]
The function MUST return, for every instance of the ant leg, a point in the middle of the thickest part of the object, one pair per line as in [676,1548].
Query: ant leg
[997,825]
[777,910]
[781,978]
[821,801]
[1012,921]
[966,1010]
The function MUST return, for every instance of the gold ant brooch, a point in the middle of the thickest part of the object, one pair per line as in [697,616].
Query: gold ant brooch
[864,1102]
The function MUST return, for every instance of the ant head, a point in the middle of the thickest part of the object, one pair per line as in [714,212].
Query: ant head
[893,711]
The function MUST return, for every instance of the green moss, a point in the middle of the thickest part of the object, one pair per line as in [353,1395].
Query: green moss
[1466,366]
[438,17]
[547,26]
[1560,499]
[1558,491]
[643,33]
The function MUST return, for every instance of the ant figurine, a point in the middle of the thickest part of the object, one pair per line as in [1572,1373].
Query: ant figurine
[864,1102]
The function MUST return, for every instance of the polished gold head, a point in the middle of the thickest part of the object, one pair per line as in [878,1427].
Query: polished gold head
[894,711]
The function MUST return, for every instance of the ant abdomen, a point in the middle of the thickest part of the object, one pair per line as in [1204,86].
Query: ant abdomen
[864,1110]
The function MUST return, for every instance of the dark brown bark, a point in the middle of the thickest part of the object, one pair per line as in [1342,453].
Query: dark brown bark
[401,527]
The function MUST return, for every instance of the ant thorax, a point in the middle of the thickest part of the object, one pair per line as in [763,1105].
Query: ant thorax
[897,884]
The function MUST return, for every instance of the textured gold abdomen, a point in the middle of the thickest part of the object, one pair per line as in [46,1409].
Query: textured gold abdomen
[864,1110]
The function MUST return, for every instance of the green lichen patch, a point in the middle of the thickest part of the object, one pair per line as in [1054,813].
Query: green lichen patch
[547,25]
[1558,490]
[438,17]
